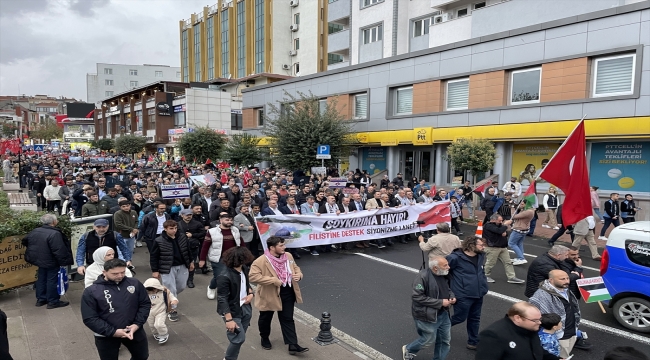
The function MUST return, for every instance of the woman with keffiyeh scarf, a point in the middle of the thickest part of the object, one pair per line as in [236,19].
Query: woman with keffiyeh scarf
[277,275]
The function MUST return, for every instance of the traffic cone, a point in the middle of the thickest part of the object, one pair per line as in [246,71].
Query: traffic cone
[479,229]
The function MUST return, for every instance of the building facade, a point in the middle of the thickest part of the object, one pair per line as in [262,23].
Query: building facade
[233,39]
[524,89]
[112,79]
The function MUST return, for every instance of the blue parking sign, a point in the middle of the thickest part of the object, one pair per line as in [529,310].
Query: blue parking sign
[323,150]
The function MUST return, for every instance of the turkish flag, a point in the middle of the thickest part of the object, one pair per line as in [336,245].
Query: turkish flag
[567,170]
[437,214]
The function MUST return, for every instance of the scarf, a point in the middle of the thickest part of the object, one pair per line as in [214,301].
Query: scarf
[281,267]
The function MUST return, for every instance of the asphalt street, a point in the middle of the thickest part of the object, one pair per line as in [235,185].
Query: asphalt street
[370,300]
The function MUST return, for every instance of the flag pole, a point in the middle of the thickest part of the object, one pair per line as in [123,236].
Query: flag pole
[601,307]
[561,146]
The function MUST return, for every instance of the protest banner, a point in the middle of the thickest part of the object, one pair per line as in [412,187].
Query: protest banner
[338,182]
[203,180]
[175,191]
[310,230]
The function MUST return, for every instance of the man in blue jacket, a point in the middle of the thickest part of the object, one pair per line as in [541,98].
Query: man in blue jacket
[469,284]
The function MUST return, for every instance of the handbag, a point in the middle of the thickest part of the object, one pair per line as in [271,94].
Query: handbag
[62,281]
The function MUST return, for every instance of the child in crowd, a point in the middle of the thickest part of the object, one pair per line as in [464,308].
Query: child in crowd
[456,212]
[550,324]
[162,302]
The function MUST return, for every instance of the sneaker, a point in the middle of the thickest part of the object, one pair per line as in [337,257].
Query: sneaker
[518,262]
[546,226]
[459,233]
[138,243]
[406,355]
[212,293]
[556,228]
[58,305]
[490,280]
[173,317]
[471,347]
[156,337]
[381,246]
[602,238]
[602,221]
[266,344]
[515,281]
[162,339]
[315,253]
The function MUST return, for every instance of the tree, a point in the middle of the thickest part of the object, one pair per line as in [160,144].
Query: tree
[130,144]
[103,144]
[47,130]
[475,155]
[297,128]
[242,149]
[202,144]
[8,130]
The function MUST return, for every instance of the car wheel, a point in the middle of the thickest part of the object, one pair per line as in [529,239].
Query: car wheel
[633,313]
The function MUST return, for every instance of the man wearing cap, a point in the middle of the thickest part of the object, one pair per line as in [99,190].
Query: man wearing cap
[195,233]
[125,221]
[217,240]
[96,238]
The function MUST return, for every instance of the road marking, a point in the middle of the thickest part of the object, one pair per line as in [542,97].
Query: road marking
[591,324]
[363,351]
[584,267]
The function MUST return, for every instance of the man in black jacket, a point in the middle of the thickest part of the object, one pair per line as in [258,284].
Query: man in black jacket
[495,234]
[514,337]
[152,223]
[195,233]
[234,308]
[49,249]
[171,260]
[543,264]
[115,307]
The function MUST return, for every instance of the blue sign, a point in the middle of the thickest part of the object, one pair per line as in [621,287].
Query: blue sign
[620,166]
[373,160]
[39,147]
[161,150]
[323,150]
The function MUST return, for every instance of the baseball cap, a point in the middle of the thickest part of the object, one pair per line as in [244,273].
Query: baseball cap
[186,212]
[101,222]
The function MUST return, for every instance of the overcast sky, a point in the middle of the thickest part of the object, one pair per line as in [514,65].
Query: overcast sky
[48,46]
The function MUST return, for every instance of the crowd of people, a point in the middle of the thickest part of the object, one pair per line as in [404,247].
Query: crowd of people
[214,229]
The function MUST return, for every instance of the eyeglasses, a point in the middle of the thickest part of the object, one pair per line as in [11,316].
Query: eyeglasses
[536,321]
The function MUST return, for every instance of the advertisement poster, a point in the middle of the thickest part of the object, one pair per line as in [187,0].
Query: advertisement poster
[529,159]
[374,160]
[620,166]
[309,230]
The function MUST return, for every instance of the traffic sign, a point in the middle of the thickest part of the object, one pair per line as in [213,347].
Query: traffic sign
[39,147]
[323,152]
[161,150]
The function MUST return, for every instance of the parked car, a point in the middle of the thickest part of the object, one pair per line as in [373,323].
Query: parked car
[625,268]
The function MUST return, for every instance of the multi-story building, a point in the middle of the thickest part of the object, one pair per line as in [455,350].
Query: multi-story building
[112,79]
[234,39]
[522,88]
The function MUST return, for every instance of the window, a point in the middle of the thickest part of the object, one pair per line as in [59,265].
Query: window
[372,34]
[525,86]
[179,119]
[421,27]
[108,71]
[457,94]
[260,117]
[322,106]
[133,84]
[236,122]
[184,55]
[209,29]
[225,45]
[361,106]
[108,93]
[138,120]
[297,67]
[108,82]
[91,129]
[159,74]
[241,39]
[334,59]
[371,2]
[296,18]
[479,5]
[296,44]
[334,28]
[108,126]
[638,252]
[197,52]
[614,75]
[259,36]
[133,72]
[151,114]
[404,100]
[461,12]
[127,120]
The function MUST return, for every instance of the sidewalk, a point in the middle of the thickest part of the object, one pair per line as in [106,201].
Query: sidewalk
[36,333]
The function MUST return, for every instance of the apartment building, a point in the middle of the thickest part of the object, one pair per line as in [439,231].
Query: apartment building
[112,79]
[234,39]
[524,89]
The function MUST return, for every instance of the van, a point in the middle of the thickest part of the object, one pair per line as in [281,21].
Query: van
[625,269]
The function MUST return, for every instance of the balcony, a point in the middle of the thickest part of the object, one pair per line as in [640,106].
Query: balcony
[442,3]
[338,9]
[338,41]
[338,65]
[450,31]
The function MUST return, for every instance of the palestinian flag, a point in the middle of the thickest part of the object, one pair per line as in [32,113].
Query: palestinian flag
[530,196]
[208,162]
[593,289]
[479,188]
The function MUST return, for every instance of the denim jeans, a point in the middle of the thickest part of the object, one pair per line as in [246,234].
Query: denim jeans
[597,212]
[608,221]
[437,333]
[468,309]
[46,285]
[237,340]
[217,268]
[470,207]
[533,225]
[516,243]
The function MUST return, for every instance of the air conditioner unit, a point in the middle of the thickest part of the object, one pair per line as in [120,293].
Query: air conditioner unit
[293,53]
[286,66]
[293,3]
[225,5]
[440,18]
[294,27]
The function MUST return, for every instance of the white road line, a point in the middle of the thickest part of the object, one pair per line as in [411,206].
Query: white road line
[584,267]
[591,324]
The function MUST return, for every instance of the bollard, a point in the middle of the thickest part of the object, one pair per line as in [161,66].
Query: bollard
[325,334]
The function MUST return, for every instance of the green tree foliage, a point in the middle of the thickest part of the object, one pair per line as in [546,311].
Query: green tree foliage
[47,130]
[103,144]
[8,130]
[475,155]
[297,128]
[130,144]
[242,149]
[202,144]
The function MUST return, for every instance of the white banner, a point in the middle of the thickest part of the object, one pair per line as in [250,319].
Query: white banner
[175,191]
[309,230]
[203,180]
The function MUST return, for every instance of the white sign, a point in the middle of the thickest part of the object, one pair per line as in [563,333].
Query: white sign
[318,170]
[338,182]
[323,157]
[175,191]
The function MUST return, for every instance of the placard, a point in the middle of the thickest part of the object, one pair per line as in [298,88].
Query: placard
[14,270]
[338,182]
[175,191]
[593,289]
[318,170]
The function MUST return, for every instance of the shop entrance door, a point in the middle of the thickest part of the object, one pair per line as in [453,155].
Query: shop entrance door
[417,163]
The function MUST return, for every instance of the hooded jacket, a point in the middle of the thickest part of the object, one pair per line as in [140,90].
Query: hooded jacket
[161,298]
[107,306]
[465,279]
[549,301]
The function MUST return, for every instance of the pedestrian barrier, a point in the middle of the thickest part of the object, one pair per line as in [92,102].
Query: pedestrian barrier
[479,229]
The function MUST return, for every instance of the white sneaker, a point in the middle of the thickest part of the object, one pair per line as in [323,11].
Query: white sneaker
[163,339]
[212,293]
[490,280]
[556,228]
[138,243]
[602,238]
[519,262]
[546,226]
